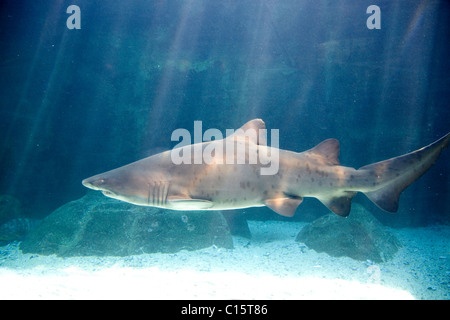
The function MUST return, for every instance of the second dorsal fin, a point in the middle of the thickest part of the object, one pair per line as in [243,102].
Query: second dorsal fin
[326,152]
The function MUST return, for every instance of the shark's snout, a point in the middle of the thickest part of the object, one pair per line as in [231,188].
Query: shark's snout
[93,183]
[86,183]
[101,183]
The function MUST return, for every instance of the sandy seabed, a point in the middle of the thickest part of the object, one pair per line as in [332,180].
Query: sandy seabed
[269,266]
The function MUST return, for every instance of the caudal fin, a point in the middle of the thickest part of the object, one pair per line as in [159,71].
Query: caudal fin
[390,177]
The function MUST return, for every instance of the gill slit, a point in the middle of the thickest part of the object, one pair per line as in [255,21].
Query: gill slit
[157,193]
[149,193]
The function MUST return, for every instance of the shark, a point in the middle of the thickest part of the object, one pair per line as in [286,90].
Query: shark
[219,185]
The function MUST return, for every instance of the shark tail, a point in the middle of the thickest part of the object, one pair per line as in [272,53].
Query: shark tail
[390,177]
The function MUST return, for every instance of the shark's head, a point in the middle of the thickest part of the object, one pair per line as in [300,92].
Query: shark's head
[125,185]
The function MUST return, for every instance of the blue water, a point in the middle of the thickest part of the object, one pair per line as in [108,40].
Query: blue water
[76,102]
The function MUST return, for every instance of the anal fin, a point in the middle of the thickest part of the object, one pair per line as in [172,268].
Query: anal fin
[386,198]
[340,204]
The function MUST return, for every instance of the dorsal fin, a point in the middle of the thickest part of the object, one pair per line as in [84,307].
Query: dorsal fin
[327,152]
[250,131]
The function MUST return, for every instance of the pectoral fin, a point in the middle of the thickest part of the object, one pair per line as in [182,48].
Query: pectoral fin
[284,206]
[181,202]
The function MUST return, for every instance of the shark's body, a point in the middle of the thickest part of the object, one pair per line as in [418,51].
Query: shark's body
[157,181]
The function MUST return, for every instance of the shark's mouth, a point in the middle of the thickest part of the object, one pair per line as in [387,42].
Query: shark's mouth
[108,193]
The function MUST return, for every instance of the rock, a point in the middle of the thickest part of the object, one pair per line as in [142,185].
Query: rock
[359,236]
[10,208]
[16,229]
[237,223]
[97,225]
